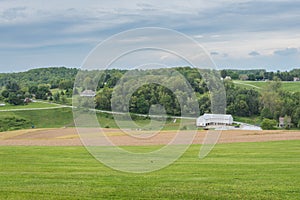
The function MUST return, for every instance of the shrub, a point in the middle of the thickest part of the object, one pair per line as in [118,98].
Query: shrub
[268,124]
[8,123]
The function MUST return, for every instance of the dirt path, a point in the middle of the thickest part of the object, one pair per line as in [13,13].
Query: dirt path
[69,137]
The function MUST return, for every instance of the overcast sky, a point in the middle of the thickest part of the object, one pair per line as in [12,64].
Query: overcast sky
[237,34]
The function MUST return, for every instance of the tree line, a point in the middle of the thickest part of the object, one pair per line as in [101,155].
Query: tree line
[271,103]
[37,83]
[260,74]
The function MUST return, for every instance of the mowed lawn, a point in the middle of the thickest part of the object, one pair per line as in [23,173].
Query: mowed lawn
[269,170]
[258,85]
[63,117]
[29,106]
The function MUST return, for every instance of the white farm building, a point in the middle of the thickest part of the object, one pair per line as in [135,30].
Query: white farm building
[88,93]
[214,119]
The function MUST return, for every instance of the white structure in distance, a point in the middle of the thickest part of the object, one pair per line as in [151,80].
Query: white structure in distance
[214,119]
[88,93]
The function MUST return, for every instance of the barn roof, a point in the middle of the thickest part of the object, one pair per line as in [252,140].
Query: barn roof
[212,116]
[90,93]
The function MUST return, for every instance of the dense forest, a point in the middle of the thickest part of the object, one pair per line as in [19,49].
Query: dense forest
[37,83]
[271,103]
[53,76]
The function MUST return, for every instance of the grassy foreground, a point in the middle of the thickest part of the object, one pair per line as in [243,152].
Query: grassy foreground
[267,170]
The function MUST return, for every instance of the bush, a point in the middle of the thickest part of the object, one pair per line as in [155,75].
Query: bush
[268,124]
[9,123]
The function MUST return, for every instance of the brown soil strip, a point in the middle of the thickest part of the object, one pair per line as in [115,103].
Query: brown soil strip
[70,137]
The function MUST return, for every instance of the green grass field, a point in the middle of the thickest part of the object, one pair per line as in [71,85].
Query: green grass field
[258,85]
[291,86]
[50,118]
[61,117]
[28,106]
[267,170]
[107,121]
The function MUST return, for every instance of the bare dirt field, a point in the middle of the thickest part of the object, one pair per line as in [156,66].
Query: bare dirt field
[70,137]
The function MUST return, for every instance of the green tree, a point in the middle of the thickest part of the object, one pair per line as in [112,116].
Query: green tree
[103,99]
[43,91]
[56,97]
[204,103]
[266,113]
[69,93]
[33,89]
[223,73]
[13,93]
[251,77]
[5,93]
[63,99]
[270,98]
[88,83]
[65,84]
[15,99]
[241,108]
[296,117]
[268,124]
[12,86]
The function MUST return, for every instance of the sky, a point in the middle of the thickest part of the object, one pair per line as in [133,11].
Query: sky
[237,34]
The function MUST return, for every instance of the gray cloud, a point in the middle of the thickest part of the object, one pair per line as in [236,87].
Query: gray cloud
[225,55]
[214,53]
[13,13]
[146,7]
[67,23]
[252,16]
[254,53]
[286,52]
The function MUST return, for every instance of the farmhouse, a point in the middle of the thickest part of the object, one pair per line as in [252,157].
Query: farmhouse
[281,122]
[88,93]
[214,119]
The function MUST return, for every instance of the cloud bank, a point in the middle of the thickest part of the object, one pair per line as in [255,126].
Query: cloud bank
[33,34]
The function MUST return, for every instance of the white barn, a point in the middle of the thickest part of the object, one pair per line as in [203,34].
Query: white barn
[214,119]
[88,93]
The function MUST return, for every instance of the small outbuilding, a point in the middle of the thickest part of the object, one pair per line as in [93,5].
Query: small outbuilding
[281,122]
[227,78]
[214,119]
[27,100]
[88,93]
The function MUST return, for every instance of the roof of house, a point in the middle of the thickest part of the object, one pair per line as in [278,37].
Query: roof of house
[88,93]
[281,119]
[212,116]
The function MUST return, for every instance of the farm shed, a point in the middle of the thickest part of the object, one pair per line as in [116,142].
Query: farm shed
[88,93]
[214,119]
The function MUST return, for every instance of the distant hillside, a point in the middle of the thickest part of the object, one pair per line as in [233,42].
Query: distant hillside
[289,86]
[51,75]
[260,74]
[263,99]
